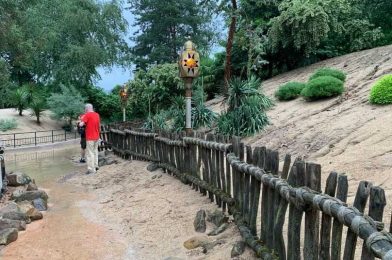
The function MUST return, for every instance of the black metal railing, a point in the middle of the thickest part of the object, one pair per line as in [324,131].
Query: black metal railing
[14,140]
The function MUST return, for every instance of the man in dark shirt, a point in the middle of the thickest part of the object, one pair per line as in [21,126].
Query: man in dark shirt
[83,144]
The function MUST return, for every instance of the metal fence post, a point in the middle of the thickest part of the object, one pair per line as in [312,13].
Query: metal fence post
[52,137]
[14,141]
[65,135]
[35,138]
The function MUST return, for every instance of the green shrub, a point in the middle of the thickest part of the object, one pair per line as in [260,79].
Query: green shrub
[323,87]
[8,124]
[289,91]
[329,72]
[381,92]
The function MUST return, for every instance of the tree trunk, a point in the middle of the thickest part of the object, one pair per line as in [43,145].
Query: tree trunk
[20,111]
[38,121]
[229,45]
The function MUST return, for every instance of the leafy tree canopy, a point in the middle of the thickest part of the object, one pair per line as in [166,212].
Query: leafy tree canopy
[163,27]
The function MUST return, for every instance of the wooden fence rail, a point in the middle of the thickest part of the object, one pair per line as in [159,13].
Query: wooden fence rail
[263,195]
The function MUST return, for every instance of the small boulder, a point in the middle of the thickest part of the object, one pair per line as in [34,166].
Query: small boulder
[200,221]
[217,217]
[12,211]
[25,206]
[218,230]
[152,167]
[238,249]
[40,204]
[10,223]
[195,242]
[29,195]
[18,179]
[34,214]
[8,235]
[32,186]
[209,246]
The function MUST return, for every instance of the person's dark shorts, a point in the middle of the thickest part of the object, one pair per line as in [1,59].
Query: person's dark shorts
[83,143]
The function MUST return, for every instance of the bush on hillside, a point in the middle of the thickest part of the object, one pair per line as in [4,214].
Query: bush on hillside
[381,92]
[323,87]
[289,91]
[8,124]
[329,72]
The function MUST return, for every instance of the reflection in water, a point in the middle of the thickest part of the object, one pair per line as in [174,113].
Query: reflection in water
[43,166]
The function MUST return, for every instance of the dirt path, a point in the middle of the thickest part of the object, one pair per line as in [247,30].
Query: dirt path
[69,229]
[123,212]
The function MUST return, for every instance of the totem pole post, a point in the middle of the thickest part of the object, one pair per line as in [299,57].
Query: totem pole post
[189,65]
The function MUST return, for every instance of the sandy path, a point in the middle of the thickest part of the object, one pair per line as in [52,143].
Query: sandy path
[69,229]
[155,214]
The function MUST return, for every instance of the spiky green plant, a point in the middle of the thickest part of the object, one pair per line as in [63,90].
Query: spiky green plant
[246,109]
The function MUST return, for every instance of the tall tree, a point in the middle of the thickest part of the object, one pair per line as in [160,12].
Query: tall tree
[229,44]
[163,27]
[61,41]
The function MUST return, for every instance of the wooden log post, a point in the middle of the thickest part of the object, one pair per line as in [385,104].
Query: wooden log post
[229,180]
[359,203]
[264,198]
[326,220]
[255,188]
[295,217]
[312,216]
[377,203]
[211,163]
[222,173]
[248,193]
[279,245]
[238,151]
[337,229]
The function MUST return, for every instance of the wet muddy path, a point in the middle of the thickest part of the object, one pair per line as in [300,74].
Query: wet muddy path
[70,228]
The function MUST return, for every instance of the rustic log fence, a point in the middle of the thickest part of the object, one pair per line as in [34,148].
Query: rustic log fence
[263,195]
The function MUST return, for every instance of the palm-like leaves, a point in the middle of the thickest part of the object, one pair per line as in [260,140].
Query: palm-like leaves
[37,105]
[246,109]
[18,99]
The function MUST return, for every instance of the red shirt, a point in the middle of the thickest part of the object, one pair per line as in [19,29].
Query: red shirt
[92,121]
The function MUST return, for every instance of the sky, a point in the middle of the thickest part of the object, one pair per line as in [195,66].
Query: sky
[116,75]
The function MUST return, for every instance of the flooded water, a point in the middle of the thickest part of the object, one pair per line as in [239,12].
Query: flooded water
[70,228]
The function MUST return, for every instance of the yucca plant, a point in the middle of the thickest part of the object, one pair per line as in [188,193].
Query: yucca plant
[246,108]
[156,122]
[202,116]
[37,105]
[18,100]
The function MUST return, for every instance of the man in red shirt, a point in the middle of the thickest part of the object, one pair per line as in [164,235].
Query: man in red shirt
[92,123]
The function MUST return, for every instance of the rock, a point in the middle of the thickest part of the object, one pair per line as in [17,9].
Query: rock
[217,217]
[34,214]
[101,155]
[107,152]
[10,223]
[40,204]
[238,249]
[12,211]
[25,206]
[8,235]
[173,258]
[200,221]
[209,246]
[195,242]
[218,230]
[18,179]
[110,161]
[32,186]
[152,167]
[29,195]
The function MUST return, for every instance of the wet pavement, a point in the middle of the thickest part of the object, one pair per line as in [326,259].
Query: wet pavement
[70,228]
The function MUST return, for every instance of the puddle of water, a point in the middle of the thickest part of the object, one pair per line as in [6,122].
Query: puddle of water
[66,232]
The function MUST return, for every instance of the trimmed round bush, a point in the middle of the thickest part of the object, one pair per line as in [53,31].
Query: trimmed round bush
[289,91]
[323,87]
[329,72]
[381,92]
